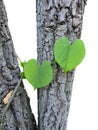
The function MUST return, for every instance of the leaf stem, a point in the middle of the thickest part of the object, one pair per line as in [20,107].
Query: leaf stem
[53,62]
[18,57]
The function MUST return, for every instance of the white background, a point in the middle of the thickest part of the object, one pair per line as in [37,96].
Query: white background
[84,104]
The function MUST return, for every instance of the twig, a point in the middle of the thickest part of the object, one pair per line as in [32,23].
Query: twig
[18,57]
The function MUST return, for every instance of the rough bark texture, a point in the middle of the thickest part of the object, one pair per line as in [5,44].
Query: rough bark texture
[56,18]
[18,116]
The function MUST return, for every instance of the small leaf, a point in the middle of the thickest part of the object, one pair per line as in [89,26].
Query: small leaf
[23,64]
[38,76]
[67,55]
[23,75]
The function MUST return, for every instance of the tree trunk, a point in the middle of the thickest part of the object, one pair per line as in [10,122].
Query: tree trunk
[18,115]
[56,18]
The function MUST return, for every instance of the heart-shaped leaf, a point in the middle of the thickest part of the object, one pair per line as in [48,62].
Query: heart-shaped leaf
[67,55]
[38,76]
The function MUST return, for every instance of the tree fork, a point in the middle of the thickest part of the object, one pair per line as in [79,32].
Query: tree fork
[56,18]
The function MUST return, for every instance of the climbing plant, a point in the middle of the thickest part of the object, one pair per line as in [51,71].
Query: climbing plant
[67,55]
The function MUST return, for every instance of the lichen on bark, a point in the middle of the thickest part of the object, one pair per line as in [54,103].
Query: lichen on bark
[56,18]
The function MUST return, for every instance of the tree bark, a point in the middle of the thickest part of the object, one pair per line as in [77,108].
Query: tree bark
[56,18]
[18,115]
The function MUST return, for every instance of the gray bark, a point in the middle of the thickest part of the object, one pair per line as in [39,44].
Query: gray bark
[56,18]
[19,115]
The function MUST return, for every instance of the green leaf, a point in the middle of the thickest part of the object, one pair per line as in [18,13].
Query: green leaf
[23,75]
[38,75]
[23,64]
[67,55]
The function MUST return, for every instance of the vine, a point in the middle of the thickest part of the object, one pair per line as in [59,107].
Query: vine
[67,55]
[2,120]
